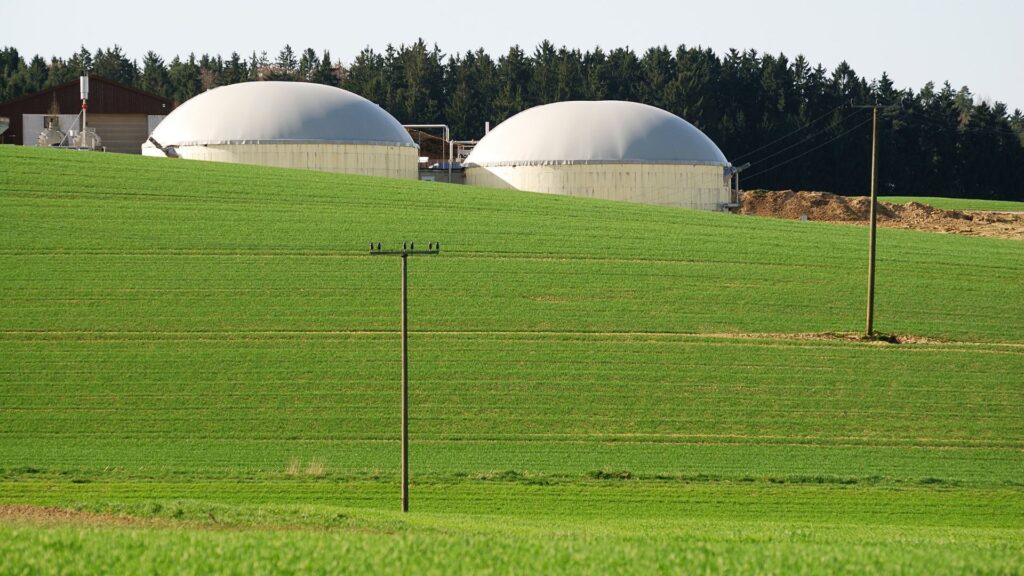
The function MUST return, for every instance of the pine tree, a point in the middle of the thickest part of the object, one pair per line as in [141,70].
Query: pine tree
[544,88]
[36,74]
[211,71]
[691,91]
[12,74]
[514,79]
[185,78]
[154,77]
[420,90]
[596,75]
[657,70]
[624,68]
[112,64]
[256,65]
[58,72]
[235,70]
[366,77]
[325,72]
[570,75]
[10,60]
[81,62]
[309,66]
[459,77]
[286,65]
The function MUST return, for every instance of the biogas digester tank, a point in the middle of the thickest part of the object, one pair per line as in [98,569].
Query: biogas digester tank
[607,149]
[288,124]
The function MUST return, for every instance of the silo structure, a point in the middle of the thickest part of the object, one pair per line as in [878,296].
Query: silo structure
[606,149]
[287,124]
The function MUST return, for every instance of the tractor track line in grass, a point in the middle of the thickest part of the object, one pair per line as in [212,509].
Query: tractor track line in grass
[583,439]
[464,255]
[847,338]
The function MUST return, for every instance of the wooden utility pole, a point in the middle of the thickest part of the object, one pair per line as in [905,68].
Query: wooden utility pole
[408,249]
[869,329]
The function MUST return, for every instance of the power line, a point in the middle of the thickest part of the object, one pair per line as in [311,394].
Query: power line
[805,140]
[806,152]
[780,139]
[902,112]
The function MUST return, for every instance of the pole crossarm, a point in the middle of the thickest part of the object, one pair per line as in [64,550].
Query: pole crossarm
[408,249]
[403,252]
[875,105]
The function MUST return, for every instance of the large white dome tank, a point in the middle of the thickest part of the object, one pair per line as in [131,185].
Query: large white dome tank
[287,124]
[606,149]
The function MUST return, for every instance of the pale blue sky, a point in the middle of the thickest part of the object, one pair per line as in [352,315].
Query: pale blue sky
[979,43]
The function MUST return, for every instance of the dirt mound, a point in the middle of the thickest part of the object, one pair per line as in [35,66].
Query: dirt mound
[826,207]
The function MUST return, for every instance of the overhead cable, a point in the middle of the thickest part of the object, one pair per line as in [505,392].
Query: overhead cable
[806,152]
[780,139]
[806,139]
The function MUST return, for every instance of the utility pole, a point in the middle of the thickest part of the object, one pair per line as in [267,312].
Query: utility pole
[408,249]
[869,329]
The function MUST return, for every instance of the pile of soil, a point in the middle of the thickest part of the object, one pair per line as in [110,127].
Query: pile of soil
[826,207]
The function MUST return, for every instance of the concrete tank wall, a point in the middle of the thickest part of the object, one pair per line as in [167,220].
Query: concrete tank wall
[702,187]
[369,160]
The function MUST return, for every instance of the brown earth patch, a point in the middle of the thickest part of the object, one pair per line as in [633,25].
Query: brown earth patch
[835,336]
[50,515]
[826,207]
[29,514]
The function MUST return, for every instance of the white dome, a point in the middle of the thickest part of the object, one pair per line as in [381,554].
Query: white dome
[604,132]
[280,113]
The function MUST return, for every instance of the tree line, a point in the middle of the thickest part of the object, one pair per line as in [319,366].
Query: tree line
[792,121]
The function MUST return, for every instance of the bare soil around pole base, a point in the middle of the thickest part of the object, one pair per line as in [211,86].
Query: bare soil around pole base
[826,207]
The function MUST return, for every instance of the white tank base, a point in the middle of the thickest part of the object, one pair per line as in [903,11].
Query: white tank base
[697,186]
[366,159]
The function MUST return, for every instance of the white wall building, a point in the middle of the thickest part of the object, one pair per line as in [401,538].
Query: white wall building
[288,124]
[610,149]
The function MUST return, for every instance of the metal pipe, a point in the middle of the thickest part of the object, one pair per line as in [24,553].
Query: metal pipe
[447,137]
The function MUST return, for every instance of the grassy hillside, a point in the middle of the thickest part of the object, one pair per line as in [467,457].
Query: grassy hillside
[198,345]
[958,203]
[113,243]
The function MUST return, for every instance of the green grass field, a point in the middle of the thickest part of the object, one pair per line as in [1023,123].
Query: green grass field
[202,361]
[958,203]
